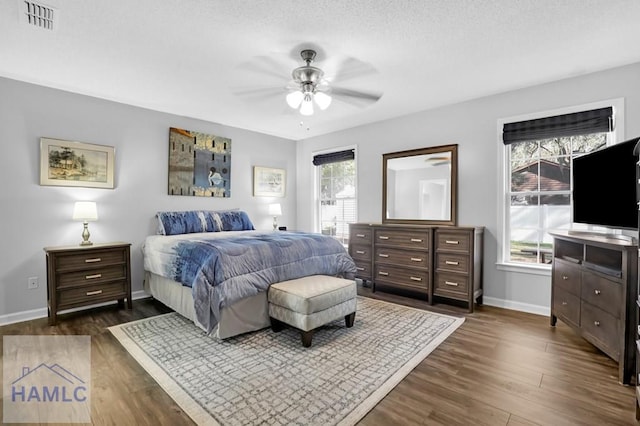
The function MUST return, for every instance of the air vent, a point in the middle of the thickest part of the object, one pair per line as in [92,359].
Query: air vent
[39,15]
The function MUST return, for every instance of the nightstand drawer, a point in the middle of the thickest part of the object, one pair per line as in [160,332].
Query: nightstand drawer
[91,276]
[90,259]
[91,294]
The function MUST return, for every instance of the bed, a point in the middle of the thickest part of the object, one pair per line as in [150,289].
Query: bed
[215,268]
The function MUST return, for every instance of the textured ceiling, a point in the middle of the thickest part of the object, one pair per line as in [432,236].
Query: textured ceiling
[202,58]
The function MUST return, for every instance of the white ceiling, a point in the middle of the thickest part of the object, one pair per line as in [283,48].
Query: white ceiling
[196,58]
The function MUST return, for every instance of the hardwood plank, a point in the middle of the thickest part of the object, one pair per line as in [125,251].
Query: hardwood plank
[500,367]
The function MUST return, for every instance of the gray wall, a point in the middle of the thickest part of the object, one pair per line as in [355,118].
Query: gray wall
[473,126]
[34,216]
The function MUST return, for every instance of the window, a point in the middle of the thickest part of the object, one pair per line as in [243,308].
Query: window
[336,208]
[538,155]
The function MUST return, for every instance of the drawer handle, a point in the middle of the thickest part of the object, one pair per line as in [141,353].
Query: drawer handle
[564,303]
[383,255]
[382,237]
[360,251]
[452,242]
[451,283]
[416,240]
[384,274]
[451,262]
[93,260]
[90,277]
[358,268]
[360,235]
[416,279]
[597,292]
[93,293]
[564,277]
[596,323]
[416,259]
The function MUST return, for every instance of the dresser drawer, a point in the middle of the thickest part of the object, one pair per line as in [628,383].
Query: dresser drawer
[453,241]
[451,285]
[363,269]
[360,252]
[567,277]
[408,239]
[602,326]
[94,258]
[386,274]
[91,294]
[452,262]
[402,257]
[566,306]
[603,293]
[360,235]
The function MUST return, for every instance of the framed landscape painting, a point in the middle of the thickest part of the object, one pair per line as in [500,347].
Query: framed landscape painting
[268,182]
[68,163]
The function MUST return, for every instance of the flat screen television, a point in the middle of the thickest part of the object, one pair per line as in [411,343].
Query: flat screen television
[604,187]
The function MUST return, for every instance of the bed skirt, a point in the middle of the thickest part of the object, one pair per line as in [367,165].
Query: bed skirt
[246,315]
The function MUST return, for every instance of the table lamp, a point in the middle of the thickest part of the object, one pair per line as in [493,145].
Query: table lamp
[85,211]
[275,210]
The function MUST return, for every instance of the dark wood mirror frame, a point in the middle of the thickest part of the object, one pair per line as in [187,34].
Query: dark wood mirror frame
[451,150]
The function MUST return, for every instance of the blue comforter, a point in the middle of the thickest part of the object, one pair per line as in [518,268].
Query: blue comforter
[222,268]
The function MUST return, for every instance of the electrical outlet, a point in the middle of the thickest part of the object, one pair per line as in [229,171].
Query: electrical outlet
[32,283]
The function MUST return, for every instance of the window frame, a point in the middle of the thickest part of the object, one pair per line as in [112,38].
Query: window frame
[317,226]
[504,177]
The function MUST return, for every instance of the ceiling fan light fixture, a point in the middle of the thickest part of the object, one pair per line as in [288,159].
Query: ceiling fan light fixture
[294,99]
[323,100]
[307,106]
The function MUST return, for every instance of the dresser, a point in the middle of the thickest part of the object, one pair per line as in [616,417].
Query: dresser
[594,289]
[86,275]
[441,263]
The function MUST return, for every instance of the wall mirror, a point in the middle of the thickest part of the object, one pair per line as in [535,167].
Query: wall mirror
[420,186]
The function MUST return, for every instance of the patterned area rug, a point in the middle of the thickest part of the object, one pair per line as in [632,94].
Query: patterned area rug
[270,378]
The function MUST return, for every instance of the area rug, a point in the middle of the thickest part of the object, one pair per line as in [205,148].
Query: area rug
[270,378]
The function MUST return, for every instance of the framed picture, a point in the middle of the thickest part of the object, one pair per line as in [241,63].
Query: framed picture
[199,164]
[67,163]
[268,182]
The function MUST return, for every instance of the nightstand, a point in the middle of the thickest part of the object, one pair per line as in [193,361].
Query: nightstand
[85,275]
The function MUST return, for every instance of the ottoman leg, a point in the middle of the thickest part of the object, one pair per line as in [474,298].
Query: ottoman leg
[306,338]
[349,319]
[276,325]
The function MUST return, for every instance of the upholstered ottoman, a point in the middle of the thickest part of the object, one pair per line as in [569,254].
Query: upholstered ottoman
[310,302]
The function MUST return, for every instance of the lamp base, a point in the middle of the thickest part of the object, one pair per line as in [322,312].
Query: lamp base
[86,235]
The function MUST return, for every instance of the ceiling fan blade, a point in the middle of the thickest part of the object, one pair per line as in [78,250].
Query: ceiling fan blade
[258,93]
[356,96]
[268,65]
[348,68]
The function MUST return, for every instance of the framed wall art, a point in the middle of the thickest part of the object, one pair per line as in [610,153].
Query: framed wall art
[268,182]
[199,164]
[69,163]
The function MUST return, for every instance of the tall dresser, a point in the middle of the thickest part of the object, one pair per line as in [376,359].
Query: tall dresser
[433,262]
[594,290]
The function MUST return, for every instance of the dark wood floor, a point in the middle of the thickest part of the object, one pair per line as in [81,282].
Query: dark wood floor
[500,367]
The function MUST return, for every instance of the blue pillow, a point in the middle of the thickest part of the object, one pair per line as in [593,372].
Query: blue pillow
[187,222]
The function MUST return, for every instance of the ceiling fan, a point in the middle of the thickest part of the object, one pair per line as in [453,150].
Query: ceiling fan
[310,87]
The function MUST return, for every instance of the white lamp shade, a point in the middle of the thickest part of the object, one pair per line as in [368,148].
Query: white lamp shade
[322,99]
[294,99]
[306,108]
[85,210]
[275,209]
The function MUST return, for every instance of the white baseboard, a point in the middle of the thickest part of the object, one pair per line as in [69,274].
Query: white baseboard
[43,312]
[517,306]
